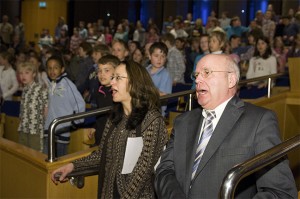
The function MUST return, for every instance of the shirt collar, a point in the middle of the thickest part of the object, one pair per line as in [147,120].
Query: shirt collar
[150,66]
[217,52]
[218,110]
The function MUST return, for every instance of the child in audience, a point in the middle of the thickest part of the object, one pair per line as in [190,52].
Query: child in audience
[159,74]
[93,82]
[120,49]
[280,53]
[41,74]
[204,50]
[216,42]
[261,64]
[105,70]
[138,56]
[85,65]
[33,108]
[8,79]
[175,64]
[64,99]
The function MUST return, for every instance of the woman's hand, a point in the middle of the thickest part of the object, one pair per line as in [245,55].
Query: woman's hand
[91,133]
[62,172]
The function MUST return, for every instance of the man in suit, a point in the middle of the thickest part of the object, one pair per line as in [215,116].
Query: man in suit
[238,131]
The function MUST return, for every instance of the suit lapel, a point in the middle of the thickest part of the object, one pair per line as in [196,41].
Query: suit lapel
[231,114]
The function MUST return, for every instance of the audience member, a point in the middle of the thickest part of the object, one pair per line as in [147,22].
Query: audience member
[152,35]
[175,63]
[139,34]
[64,99]
[216,42]
[177,30]
[120,49]
[280,53]
[194,164]
[121,33]
[199,29]
[108,36]
[295,50]
[8,81]
[236,28]
[85,65]
[204,46]
[135,114]
[268,26]
[63,41]
[224,20]
[92,37]
[191,52]
[133,45]
[19,29]
[61,25]
[40,75]
[33,107]
[138,56]
[45,39]
[105,69]
[159,74]
[93,81]
[75,41]
[290,30]
[82,30]
[6,30]
[259,17]
[262,63]
[180,45]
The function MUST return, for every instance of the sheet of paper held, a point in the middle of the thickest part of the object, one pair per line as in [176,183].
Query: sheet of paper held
[133,151]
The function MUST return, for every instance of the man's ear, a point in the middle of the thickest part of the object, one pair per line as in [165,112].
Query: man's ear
[232,80]
[62,69]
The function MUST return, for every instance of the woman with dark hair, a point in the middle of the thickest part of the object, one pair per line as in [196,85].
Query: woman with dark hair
[135,118]
[261,64]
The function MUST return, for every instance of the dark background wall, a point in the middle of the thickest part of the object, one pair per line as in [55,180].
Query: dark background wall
[158,10]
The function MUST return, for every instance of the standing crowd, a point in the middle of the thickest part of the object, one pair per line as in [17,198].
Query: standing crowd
[128,67]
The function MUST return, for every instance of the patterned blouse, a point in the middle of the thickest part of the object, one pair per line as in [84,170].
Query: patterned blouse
[109,160]
[33,102]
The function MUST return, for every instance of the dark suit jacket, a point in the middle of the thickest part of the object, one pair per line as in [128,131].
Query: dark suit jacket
[243,131]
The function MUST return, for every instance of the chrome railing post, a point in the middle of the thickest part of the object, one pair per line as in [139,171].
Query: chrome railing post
[51,142]
[269,87]
[190,101]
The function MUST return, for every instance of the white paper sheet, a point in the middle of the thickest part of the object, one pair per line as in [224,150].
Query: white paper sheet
[133,151]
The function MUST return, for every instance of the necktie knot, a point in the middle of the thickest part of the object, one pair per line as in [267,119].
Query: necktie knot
[210,114]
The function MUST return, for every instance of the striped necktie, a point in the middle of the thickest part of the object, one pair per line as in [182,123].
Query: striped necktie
[202,143]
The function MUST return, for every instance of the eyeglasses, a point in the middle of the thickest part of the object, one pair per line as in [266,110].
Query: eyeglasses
[118,78]
[206,72]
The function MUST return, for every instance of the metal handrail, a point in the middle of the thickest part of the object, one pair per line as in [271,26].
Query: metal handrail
[273,76]
[68,118]
[237,173]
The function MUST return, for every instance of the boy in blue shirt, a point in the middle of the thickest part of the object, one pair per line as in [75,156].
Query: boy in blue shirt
[159,74]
